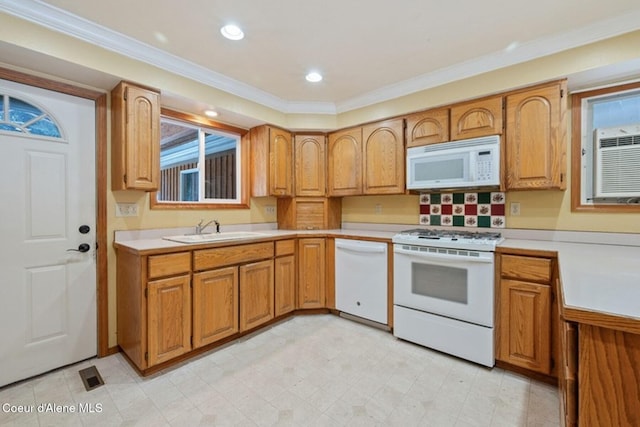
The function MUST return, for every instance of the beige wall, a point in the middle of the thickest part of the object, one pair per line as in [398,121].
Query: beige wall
[544,210]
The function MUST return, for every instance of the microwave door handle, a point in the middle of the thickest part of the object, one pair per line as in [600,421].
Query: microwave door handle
[473,162]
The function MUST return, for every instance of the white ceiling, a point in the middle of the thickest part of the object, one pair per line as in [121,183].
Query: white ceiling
[368,50]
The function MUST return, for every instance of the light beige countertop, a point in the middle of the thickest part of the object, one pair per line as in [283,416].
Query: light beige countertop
[599,272]
[602,278]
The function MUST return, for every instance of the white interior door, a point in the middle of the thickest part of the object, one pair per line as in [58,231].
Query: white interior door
[47,191]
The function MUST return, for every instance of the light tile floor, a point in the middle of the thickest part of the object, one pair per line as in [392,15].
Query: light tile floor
[306,371]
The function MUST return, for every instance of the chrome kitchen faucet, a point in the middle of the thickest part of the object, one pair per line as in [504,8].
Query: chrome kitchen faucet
[200,228]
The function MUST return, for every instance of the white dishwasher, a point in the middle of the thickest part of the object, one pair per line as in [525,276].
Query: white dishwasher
[361,279]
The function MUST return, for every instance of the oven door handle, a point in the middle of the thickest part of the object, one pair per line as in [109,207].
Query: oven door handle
[438,256]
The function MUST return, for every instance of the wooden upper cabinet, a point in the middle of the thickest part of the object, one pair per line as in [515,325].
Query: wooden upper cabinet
[281,162]
[477,118]
[536,138]
[344,169]
[310,165]
[135,137]
[271,162]
[383,157]
[428,127]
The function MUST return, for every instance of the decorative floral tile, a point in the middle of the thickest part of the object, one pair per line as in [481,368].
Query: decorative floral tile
[484,209]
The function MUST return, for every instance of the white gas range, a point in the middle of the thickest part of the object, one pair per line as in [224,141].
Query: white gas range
[444,291]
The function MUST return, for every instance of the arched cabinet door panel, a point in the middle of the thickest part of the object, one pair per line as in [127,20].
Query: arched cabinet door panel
[536,138]
[477,118]
[344,169]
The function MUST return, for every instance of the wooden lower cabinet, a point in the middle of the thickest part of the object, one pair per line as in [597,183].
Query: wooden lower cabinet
[169,318]
[609,377]
[215,305]
[256,294]
[311,273]
[285,284]
[525,333]
[526,323]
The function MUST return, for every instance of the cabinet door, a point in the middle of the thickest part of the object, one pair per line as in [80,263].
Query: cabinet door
[285,284]
[310,165]
[429,127]
[525,329]
[383,157]
[215,305]
[344,169]
[281,162]
[477,118]
[311,273]
[256,294]
[136,138]
[169,318]
[536,139]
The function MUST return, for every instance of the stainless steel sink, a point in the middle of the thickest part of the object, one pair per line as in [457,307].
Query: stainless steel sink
[215,237]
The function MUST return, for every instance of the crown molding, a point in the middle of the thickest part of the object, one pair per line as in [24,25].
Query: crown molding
[521,53]
[64,22]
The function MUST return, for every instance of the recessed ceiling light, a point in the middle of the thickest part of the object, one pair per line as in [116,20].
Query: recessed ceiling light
[232,32]
[313,77]
[211,113]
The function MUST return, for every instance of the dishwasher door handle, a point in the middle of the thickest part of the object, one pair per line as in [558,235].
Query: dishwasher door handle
[368,249]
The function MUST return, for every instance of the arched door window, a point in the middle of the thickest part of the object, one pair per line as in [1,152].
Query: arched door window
[20,116]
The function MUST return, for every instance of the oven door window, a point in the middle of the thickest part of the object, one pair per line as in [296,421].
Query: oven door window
[438,281]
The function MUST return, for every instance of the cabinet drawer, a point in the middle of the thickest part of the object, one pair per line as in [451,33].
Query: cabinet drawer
[169,265]
[212,258]
[285,247]
[527,268]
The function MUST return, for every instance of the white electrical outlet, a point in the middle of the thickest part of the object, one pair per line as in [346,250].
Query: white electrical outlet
[378,209]
[270,210]
[515,208]
[126,209]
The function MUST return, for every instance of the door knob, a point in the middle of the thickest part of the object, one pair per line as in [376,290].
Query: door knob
[83,247]
[84,229]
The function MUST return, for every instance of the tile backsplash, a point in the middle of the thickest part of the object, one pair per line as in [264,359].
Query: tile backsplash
[486,209]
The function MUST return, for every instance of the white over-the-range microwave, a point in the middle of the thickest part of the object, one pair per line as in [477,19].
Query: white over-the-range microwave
[469,163]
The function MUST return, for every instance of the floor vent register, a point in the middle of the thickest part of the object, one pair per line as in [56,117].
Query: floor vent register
[91,378]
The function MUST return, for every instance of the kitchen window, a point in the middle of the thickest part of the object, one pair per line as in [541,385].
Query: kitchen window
[201,164]
[606,149]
